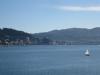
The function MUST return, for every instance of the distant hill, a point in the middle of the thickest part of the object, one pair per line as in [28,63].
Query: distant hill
[8,33]
[70,36]
[73,35]
[10,36]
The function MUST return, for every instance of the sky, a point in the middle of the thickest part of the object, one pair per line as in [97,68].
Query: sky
[35,16]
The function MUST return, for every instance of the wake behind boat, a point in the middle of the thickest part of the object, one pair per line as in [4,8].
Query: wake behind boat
[87,53]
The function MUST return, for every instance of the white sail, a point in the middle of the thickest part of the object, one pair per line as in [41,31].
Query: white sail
[87,53]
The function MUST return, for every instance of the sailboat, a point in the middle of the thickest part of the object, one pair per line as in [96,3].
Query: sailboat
[87,53]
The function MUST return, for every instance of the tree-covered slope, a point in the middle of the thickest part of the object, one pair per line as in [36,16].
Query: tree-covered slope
[72,34]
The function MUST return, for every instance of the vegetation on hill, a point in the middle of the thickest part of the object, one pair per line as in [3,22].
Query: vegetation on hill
[73,36]
[14,37]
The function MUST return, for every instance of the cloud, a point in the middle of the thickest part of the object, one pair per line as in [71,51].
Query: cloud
[80,8]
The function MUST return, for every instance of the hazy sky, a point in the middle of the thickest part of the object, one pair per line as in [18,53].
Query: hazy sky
[45,15]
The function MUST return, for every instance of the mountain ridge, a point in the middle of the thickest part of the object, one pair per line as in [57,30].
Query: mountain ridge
[73,35]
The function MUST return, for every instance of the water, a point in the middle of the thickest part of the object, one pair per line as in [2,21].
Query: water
[49,60]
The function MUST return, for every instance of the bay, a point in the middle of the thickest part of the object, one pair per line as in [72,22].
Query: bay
[49,60]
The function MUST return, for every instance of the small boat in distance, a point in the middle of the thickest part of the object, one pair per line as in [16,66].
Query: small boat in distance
[87,53]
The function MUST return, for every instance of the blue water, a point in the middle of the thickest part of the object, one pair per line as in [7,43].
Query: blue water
[49,60]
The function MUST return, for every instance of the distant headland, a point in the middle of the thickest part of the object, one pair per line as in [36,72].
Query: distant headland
[71,36]
[10,36]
